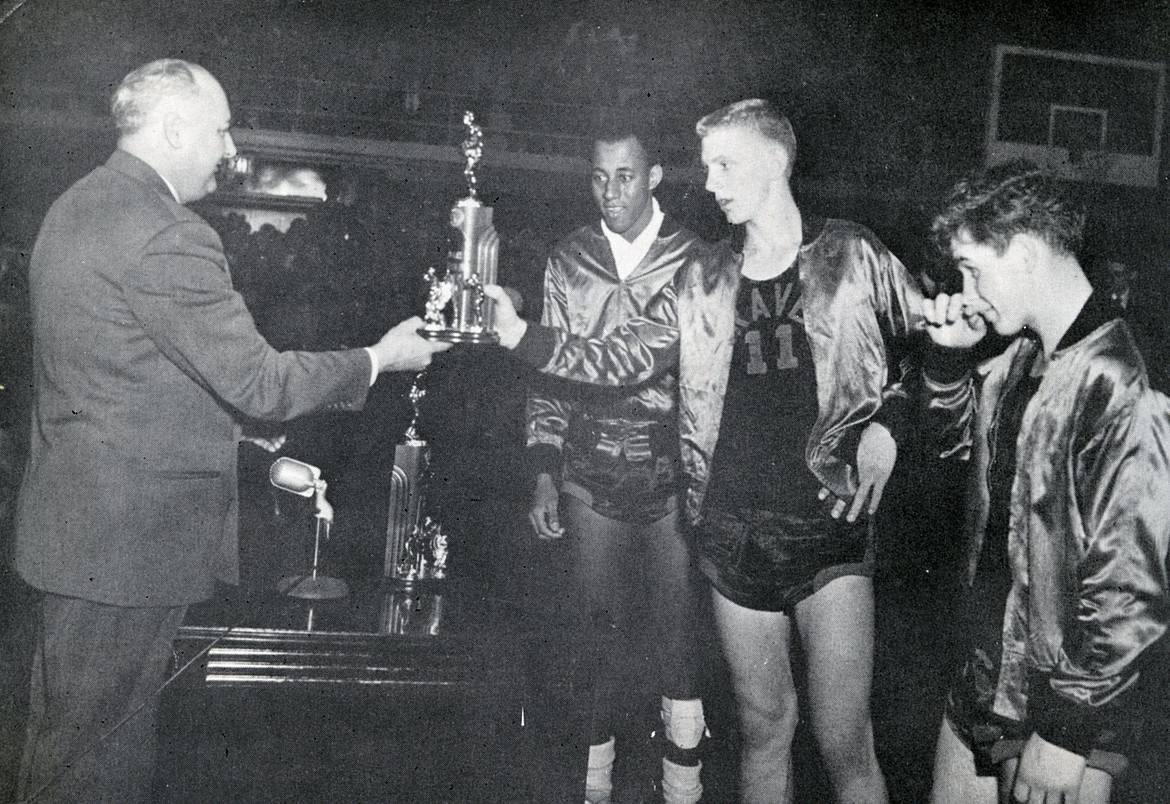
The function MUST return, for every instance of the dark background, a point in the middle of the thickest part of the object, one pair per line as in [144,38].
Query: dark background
[889,101]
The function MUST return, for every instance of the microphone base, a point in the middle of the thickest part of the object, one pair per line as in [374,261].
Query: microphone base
[308,587]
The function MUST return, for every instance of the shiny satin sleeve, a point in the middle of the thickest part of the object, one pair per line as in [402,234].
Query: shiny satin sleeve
[1123,604]
[898,304]
[897,296]
[548,415]
[637,351]
[949,400]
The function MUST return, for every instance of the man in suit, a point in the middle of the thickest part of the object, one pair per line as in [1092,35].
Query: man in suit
[145,358]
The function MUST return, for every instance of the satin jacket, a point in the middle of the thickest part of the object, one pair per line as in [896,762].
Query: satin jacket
[584,295]
[858,300]
[1089,525]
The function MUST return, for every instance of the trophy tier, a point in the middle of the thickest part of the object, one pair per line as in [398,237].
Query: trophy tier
[459,335]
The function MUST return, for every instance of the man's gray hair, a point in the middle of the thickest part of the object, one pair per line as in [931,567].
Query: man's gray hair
[758,115]
[145,87]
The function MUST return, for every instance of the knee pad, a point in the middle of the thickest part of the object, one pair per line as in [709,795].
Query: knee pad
[599,778]
[683,723]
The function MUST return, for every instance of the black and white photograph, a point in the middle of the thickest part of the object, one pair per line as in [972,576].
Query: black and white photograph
[605,401]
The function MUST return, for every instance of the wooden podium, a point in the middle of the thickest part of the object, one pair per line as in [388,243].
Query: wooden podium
[399,689]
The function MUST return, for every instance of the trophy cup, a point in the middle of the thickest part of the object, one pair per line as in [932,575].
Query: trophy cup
[416,547]
[471,263]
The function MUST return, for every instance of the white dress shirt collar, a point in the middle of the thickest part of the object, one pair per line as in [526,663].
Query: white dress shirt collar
[171,187]
[626,254]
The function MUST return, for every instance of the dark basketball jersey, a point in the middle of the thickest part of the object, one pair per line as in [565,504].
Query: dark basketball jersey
[770,407]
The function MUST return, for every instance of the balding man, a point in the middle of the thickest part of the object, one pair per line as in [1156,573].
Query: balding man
[145,359]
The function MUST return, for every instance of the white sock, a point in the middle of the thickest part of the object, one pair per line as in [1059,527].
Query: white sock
[680,783]
[599,779]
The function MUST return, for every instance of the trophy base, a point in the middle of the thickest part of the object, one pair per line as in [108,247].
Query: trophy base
[310,588]
[459,335]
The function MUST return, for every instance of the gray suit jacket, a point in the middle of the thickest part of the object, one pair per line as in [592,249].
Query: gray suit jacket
[144,358]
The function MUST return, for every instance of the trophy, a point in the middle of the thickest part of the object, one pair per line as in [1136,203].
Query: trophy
[471,263]
[416,547]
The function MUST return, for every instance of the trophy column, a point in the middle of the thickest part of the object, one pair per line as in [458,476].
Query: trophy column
[406,502]
[416,547]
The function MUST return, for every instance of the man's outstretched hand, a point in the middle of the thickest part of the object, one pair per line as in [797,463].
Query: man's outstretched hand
[403,349]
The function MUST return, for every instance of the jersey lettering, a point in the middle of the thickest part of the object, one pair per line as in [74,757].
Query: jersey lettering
[755,362]
[754,337]
[785,356]
[759,309]
[796,314]
[782,295]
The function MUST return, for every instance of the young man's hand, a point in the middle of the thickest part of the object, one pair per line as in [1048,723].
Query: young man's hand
[876,454]
[953,320]
[544,514]
[508,323]
[1048,772]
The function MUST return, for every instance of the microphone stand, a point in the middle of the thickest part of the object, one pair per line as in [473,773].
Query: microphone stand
[314,586]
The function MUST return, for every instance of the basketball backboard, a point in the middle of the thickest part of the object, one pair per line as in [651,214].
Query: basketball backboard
[1092,118]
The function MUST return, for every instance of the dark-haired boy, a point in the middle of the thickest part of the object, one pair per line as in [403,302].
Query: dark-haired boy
[1068,522]
[605,462]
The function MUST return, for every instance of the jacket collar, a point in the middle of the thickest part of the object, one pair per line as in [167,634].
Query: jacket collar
[811,227]
[129,165]
[669,227]
[1098,310]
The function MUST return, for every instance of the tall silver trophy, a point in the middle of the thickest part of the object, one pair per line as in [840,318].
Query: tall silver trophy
[416,547]
[457,310]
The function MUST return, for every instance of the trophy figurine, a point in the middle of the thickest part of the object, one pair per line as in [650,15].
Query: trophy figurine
[471,262]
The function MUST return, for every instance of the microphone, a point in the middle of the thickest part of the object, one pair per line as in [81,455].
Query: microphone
[289,474]
[298,477]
